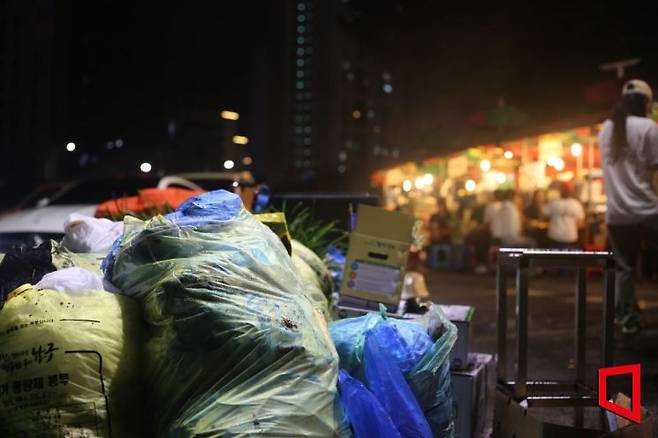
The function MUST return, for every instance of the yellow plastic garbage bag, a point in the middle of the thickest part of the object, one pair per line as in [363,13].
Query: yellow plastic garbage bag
[69,365]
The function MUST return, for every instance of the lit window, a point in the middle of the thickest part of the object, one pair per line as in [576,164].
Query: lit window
[301,18]
[356,114]
[300,85]
[300,63]
[301,29]
[300,40]
[300,51]
[342,168]
[298,130]
[301,6]
[300,73]
[342,156]
[307,118]
[307,141]
[307,163]
[307,130]
[307,152]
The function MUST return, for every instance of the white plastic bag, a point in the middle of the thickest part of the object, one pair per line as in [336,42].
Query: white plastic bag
[90,234]
[71,280]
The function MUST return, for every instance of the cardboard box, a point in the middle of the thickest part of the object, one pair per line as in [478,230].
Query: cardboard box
[461,316]
[376,258]
[469,394]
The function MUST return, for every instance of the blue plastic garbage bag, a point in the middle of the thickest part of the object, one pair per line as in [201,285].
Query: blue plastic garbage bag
[386,382]
[368,417]
[406,341]
[429,379]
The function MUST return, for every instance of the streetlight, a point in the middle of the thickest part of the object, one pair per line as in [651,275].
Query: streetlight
[229,115]
[240,139]
[145,167]
[70,146]
[229,164]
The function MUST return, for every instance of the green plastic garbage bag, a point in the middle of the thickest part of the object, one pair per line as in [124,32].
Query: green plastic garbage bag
[235,347]
[312,285]
[316,264]
[69,365]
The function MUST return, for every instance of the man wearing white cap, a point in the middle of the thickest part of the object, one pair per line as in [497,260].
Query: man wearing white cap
[629,154]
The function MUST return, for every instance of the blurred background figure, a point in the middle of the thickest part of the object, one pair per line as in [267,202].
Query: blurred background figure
[629,148]
[566,216]
[440,229]
[504,219]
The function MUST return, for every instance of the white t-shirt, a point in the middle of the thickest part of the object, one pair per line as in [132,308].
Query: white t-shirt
[631,198]
[504,220]
[564,216]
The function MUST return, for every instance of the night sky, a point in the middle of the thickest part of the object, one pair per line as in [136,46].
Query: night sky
[136,70]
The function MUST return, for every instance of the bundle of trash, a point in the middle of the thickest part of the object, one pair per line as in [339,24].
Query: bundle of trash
[405,368]
[69,359]
[234,347]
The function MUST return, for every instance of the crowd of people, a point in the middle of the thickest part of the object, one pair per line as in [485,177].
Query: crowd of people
[507,221]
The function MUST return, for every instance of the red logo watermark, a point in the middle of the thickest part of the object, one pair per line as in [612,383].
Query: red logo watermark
[634,370]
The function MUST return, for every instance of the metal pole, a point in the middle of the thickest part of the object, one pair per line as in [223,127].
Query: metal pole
[608,311]
[581,303]
[520,387]
[501,328]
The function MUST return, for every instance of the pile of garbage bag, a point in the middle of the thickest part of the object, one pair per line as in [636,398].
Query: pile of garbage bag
[205,322]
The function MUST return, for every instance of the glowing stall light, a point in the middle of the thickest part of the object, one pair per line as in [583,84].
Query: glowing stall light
[470,185]
[247,160]
[419,183]
[235,184]
[558,163]
[485,165]
[229,164]
[501,178]
[145,167]
[508,155]
[70,146]
[428,179]
[576,149]
[406,185]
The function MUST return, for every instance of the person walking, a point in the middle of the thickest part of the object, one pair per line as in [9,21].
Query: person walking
[566,216]
[629,152]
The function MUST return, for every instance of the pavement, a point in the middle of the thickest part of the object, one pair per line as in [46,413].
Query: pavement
[551,327]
